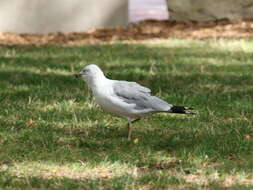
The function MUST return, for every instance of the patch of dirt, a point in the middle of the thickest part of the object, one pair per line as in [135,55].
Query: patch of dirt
[139,31]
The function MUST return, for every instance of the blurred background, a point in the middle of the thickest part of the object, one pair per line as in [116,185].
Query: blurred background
[147,9]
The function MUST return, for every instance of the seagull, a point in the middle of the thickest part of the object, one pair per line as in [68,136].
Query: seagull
[128,100]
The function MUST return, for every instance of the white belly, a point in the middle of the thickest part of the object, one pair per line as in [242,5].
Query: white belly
[115,105]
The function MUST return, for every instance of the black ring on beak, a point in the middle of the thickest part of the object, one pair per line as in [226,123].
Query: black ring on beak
[78,75]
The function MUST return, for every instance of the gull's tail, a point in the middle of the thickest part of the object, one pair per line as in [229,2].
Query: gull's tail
[181,110]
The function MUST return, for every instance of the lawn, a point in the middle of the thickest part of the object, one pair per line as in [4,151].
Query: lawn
[54,136]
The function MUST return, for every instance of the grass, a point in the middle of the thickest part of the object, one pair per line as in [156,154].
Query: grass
[54,136]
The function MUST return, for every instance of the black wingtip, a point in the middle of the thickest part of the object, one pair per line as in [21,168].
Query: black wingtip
[182,110]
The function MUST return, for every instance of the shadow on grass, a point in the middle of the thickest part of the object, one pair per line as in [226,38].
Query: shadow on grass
[222,93]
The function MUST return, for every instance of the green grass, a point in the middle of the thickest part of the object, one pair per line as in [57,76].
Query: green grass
[54,136]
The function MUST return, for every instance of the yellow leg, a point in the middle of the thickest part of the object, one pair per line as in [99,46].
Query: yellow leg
[129,130]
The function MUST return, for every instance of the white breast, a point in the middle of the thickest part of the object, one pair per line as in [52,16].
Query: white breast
[110,103]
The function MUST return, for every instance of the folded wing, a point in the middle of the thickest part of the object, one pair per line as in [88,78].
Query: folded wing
[134,93]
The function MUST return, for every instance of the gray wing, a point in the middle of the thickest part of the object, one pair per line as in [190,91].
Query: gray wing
[134,93]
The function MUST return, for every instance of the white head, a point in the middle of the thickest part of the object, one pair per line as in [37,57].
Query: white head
[91,74]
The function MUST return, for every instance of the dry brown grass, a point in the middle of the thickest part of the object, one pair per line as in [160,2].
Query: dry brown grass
[139,31]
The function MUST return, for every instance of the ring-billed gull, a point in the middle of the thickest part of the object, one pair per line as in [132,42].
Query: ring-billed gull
[128,100]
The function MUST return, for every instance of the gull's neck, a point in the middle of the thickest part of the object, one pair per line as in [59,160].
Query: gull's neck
[98,82]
